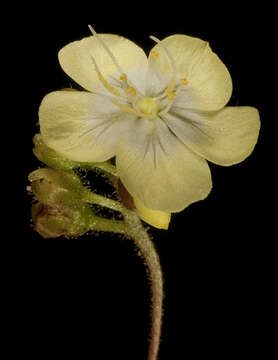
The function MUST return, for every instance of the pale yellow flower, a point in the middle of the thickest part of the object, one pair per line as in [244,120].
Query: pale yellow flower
[162,116]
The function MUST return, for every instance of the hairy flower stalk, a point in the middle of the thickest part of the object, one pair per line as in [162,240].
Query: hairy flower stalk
[136,231]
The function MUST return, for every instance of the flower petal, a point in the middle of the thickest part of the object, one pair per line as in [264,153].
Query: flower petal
[159,171]
[208,78]
[225,137]
[82,126]
[156,218]
[75,59]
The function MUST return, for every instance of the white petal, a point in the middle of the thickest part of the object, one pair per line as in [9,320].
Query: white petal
[82,126]
[75,59]
[158,170]
[225,137]
[156,218]
[208,79]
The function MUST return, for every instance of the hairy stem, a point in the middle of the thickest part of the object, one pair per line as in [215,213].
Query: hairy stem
[136,231]
[109,169]
[92,198]
[100,224]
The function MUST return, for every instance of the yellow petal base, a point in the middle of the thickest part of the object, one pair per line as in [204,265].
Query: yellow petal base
[156,218]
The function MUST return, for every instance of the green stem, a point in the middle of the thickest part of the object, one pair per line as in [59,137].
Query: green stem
[108,168]
[133,228]
[100,224]
[92,198]
[136,231]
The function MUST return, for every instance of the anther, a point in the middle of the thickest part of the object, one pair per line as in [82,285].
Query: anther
[154,54]
[171,96]
[123,78]
[131,90]
[170,90]
[103,81]
[170,87]
[184,81]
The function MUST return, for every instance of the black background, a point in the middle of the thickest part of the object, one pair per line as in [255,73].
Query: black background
[89,298]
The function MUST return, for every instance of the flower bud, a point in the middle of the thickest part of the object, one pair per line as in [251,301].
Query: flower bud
[52,221]
[60,210]
[50,157]
[54,187]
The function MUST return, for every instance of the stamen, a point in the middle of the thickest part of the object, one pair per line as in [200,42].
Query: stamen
[154,54]
[103,81]
[170,90]
[107,49]
[171,96]
[184,81]
[123,77]
[131,90]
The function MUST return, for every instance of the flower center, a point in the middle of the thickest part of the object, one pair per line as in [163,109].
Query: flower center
[148,105]
[133,101]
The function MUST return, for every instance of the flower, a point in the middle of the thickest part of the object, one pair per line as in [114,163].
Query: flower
[163,116]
